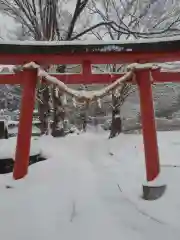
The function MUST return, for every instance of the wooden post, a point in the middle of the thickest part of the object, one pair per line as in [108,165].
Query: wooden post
[86,71]
[25,124]
[148,124]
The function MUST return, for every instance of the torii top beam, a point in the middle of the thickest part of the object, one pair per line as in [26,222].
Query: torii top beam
[97,52]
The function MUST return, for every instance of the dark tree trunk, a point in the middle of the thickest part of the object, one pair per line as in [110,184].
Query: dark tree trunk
[44,108]
[84,121]
[58,109]
[83,112]
[58,115]
[3,130]
[116,125]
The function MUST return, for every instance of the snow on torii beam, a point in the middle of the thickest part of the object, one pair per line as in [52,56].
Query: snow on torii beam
[97,52]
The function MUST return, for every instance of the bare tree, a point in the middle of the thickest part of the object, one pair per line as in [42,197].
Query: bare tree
[111,11]
[48,20]
[132,19]
[136,19]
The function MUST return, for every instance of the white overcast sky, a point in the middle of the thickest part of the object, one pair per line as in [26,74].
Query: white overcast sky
[7,26]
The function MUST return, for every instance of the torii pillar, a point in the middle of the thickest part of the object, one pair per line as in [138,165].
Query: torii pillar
[25,124]
[150,192]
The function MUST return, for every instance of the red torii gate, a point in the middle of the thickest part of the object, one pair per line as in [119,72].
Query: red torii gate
[83,53]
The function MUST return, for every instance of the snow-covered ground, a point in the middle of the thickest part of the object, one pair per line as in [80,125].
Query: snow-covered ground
[75,194]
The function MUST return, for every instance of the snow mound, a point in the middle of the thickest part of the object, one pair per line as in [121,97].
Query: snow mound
[90,188]
[8,148]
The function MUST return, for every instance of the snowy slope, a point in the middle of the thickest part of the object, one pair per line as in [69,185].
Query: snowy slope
[166,98]
[75,195]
